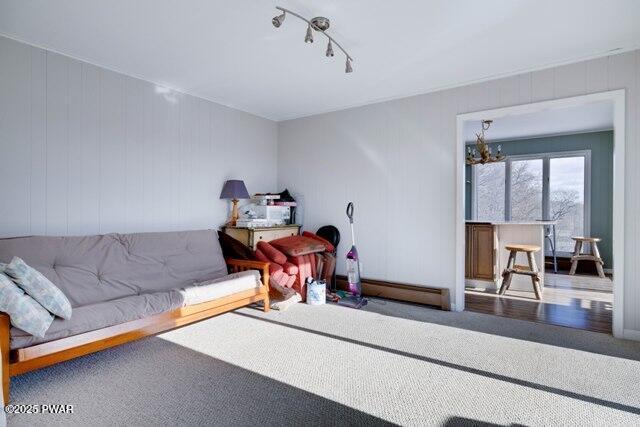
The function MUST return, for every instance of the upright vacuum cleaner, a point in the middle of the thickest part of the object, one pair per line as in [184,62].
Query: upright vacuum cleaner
[353,263]
[354,299]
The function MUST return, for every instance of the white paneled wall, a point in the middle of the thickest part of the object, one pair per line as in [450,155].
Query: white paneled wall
[396,161]
[85,150]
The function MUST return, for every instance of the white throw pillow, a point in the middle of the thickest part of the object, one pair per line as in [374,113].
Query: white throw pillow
[24,312]
[39,287]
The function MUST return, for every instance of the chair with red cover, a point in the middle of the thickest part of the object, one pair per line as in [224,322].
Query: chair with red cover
[303,252]
[281,272]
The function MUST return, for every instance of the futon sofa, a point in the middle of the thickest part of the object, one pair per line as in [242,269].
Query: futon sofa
[123,287]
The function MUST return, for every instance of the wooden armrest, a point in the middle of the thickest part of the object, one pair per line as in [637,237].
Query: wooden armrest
[258,265]
[237,265]
[4,318]
[5,325]
[5,328]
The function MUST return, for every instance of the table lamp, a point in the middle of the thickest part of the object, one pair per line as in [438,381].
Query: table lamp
[234,189]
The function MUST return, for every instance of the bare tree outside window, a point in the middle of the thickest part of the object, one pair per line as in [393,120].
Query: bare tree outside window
[526,190]
[565,195]
[490,191]
[566,199]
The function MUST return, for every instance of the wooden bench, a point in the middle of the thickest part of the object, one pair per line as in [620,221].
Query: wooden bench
[22,360]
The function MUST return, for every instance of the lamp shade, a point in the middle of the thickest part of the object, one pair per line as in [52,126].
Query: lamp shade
[234,189]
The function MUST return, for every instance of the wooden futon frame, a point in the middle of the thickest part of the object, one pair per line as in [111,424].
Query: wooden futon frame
[19,361]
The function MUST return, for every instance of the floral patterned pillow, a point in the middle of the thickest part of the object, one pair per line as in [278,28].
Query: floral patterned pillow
[39,287]
[24,312]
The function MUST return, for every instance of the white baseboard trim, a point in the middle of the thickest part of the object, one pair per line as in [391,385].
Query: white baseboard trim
[630,334]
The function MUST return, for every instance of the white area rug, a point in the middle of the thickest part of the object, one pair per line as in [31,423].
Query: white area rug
[329,365]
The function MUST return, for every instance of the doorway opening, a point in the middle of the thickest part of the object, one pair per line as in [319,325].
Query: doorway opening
[559,188]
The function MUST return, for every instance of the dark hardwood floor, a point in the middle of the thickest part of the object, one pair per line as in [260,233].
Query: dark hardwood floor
[583,302]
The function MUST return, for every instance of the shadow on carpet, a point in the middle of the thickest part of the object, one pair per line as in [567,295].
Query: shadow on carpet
[462,368]
[154,381]
[559,336]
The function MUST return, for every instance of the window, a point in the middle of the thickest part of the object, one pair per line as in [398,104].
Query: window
[543,186]
[490,191]
[566,199]
[526,190]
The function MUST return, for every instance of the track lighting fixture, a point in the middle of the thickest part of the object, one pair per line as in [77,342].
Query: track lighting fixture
[278,20]
[309,37]
[329,50]
[320,24]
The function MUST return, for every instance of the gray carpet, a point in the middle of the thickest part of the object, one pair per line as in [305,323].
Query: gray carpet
[328,365]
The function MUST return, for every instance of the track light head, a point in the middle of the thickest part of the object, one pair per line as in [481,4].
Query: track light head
[309,37]
[348,68]
[278,20]
[329,49]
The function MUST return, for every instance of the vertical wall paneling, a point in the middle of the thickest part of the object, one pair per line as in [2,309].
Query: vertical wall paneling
[86,150]
[596,75]
[57,150]
[74,148]
[543,85]
[134,154]
[570,80]
[409,203]
[14,126]
[36,164]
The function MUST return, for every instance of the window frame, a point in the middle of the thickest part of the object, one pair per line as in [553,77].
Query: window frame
[546,169]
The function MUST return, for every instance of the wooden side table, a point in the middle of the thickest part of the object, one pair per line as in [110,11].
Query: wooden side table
[251,236]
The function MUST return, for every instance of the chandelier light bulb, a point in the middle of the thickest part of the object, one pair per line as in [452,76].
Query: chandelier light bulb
[309,37]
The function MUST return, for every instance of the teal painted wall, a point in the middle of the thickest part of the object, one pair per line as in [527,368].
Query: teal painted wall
[601,146]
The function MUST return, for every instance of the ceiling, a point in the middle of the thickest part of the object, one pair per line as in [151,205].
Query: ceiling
[228,52]
[557,121]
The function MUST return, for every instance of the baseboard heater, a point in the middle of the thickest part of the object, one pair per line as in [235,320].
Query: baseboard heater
[437,297]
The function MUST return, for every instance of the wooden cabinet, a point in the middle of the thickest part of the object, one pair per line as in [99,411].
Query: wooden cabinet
[480,257]
[468,272]
[251,236]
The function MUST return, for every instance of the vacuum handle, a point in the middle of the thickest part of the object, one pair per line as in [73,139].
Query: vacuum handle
[350,212]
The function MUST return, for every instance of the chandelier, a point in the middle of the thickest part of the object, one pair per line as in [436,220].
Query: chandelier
[320,24]
[486,156]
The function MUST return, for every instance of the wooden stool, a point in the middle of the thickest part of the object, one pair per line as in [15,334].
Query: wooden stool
[531,270]
[593,256]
